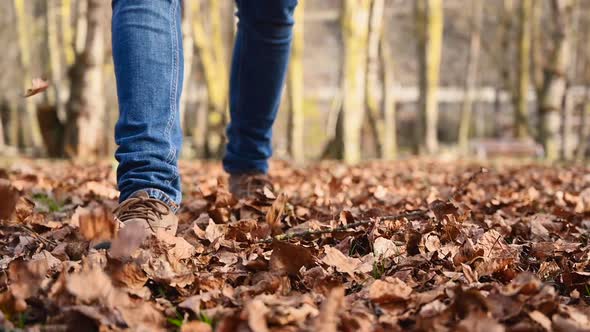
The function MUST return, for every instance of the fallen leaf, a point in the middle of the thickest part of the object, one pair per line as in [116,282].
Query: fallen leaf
[540,318]
[195,326]
[329,316]
[213,232]
[385,248]
[389,290]
[25,280]
[477,322]
[335,258]
[8,199]
[256,311]
[288,258]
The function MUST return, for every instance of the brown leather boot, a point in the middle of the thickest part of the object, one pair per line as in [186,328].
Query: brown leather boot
[249,184]
[151,213]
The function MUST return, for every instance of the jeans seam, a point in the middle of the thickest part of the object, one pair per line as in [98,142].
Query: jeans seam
[173,84]
[241,68]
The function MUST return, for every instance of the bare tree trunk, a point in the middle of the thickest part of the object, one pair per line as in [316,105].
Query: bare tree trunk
[81,27]
[86,107]
[13,131]
[584,130]
[215,67]
[189,51]
[2,141]
[33,134]
[567,132]
[430,30]
[355,25]
[54,47]
[390,147]
[472,71]
[295,139]
[374,116]
[521,125]
[555,81]
[66,32]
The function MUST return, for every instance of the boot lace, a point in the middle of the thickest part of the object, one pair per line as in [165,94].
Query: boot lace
[149,209]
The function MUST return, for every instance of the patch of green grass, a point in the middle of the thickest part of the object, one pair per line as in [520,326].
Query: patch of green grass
[205,319]
[45,200]
[20,320]
[378,268]
[176,321]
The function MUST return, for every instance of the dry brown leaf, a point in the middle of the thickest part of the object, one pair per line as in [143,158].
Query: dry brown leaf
[478,322]
[213,232]
[540,318]
[329,317]
[101,289]
[177,247]
[97,224]
[274,214]
[25,280]
[525,283]
[256,312]
[389,290]
[198,302]
[8,199]
[38,85]
[335,258]
[385,248]
[288,258]
[128,239]
[195,326]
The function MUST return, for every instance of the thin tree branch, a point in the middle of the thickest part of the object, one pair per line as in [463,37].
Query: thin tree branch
[288,236]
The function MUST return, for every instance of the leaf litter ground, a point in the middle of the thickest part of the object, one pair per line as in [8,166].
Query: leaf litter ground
[412,245]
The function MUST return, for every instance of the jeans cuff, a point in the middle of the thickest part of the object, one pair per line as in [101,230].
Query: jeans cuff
[161,196]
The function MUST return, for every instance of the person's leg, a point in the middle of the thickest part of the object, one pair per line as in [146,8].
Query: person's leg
[147,52]
[260,59]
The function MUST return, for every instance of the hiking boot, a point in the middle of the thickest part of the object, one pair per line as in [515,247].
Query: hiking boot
[247,185]
[151,213]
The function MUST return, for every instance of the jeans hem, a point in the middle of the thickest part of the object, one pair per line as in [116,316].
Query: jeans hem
[161,196]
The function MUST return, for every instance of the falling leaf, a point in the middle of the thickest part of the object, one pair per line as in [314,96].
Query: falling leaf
[97,224]
[38,85]
[128,239]
[273,216]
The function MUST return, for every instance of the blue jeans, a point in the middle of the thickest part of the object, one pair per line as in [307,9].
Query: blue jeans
[147,52]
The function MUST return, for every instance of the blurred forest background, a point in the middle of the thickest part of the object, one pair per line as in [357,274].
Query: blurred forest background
[368,79]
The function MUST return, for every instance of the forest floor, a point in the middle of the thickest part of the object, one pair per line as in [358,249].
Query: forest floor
[410,245]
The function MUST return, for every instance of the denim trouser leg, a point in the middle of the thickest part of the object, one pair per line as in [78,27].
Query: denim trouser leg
[147,52]
[259,65]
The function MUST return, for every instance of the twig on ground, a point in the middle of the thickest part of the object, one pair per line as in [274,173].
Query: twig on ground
[34,234]
[288,236]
